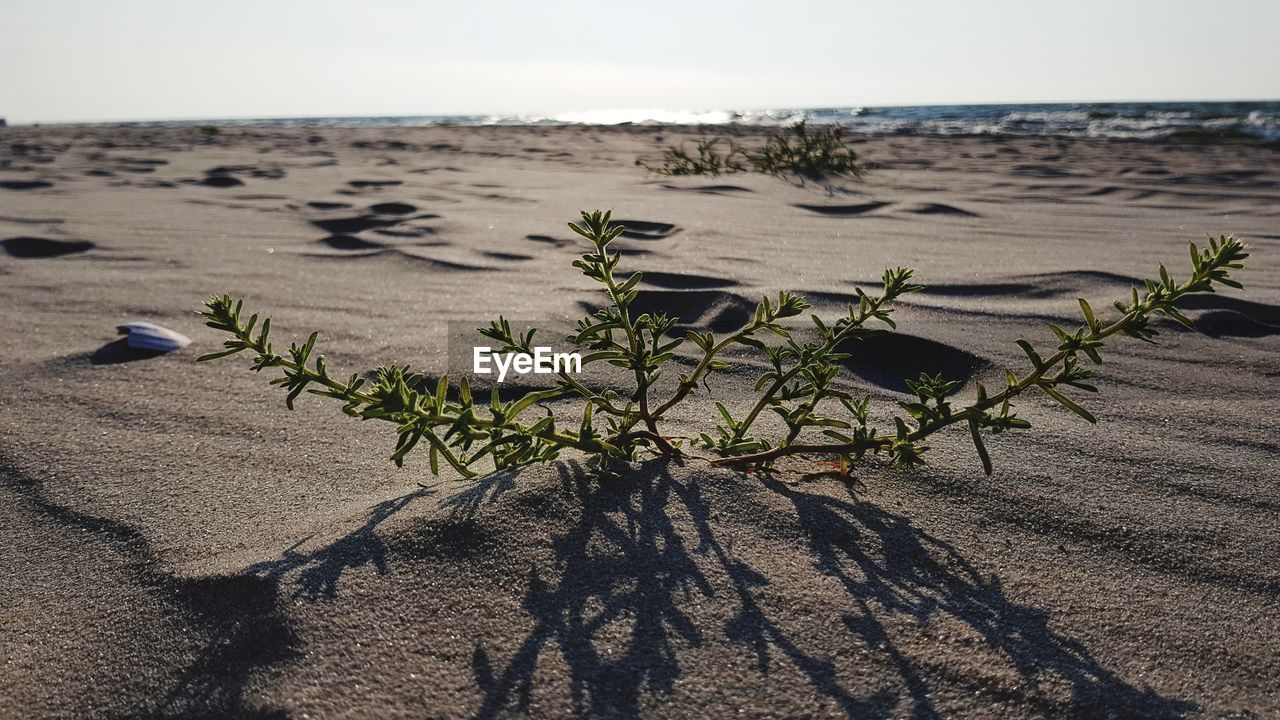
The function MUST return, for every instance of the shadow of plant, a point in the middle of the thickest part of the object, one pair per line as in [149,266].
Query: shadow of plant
[619,559]
[319,570]
[618,608]
[625,564]
[234,625]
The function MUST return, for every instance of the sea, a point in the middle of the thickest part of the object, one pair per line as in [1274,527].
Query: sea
[1190,120]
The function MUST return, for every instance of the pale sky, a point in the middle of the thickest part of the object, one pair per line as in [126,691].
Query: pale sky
[165,59]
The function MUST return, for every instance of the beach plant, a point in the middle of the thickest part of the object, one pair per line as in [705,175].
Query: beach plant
[813,152]
[818,417]
[705,160]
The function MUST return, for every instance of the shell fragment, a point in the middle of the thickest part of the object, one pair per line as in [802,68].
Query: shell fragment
[149,336]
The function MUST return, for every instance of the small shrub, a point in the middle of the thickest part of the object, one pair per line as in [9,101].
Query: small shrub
[820,419]
[708,161]
[797,150]
[209,130]
[811,152]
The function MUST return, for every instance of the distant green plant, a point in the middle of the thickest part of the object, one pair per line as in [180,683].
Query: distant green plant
[209,130]
[707,160]
[798,387]
[811,152]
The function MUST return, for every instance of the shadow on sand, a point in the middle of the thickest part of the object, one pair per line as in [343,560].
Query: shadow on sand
[625,558]
[643,551]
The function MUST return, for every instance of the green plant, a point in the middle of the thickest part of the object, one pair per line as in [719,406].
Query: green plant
[798,387]
[209,130]
[708,160]
[812,152]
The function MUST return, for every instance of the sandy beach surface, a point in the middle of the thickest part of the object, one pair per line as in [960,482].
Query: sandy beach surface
[177,544]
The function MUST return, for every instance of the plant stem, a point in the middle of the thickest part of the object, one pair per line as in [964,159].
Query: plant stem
[765,400]
[686,387]
[974,411]
[636,348]
[327,381]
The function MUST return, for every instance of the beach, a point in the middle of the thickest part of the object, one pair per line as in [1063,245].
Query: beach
[178,544]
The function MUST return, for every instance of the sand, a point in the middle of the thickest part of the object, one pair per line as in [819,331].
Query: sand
[177,544]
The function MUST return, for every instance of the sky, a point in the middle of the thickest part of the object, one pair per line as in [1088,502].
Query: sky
[83,60]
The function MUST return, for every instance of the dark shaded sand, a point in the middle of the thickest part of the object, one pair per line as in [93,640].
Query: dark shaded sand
[843,210]
[393,208]
[645,229]
[38,247]
[222,181]
[178,545]
[120,352]
[349,242]
[25,184]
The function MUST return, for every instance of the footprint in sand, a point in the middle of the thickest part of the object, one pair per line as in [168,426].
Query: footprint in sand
[885,360]
[1233,317]
[413,231]
[221,181]
[708,189]
[645,229]
[844,210]
[1068,284]
[444,257]
[226,176]
[681,281]
[1043,171]
[353,224]
[509,257]
[253,171]
[373,184]
[392,208]
[138,165]
[25,184]
[940,209]
[715,310]
[548,240]
[349,242]
[37,247]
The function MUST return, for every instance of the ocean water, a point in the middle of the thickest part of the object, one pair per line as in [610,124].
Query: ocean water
[1203,120]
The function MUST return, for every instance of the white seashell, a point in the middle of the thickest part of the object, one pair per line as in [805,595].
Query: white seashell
[149,336]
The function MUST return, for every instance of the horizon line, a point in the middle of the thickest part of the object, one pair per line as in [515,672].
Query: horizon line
[253,117]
